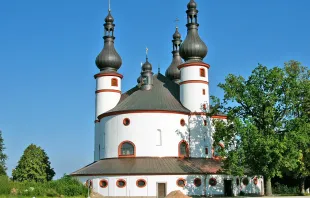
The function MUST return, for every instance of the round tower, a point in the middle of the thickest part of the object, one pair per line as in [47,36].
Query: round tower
[194,84]
[108,89]
[146,78]
[172,72]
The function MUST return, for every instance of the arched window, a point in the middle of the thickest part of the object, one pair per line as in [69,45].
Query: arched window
[183,149]
[114,82]
[202,72]
[126,149]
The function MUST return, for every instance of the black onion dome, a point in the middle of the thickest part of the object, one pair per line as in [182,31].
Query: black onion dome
[177,34]
[192,4]
[147,66]
[109,18]
[193,48]
[172,72]
[108,59]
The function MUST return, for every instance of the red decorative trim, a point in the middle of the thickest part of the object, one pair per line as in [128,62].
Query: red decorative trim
[119,180]
[126,121]
[219,117]
[179,149]
[197,182]
[101,183]
[139,111]
[197,64]
[194,81]
[108,74]
[120,149]
[184,181]
[97,121]
[137,183]
[182,122]
[108,90]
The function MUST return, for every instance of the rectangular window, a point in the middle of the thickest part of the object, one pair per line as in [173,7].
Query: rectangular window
[202,72]
[207,151]
[203,92]
[158,138]
[114,82]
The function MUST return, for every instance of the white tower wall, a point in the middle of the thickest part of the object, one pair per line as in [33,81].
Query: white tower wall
[194,89]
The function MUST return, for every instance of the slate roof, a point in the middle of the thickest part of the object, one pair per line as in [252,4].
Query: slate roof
[151,166]
[164,95]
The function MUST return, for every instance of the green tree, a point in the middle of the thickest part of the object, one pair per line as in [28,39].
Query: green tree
[34,165]
[298,127]
[259,110]
[3,156]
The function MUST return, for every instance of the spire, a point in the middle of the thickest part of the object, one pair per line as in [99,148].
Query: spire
[172,72]
[108,59]
[146,78]
[193,49]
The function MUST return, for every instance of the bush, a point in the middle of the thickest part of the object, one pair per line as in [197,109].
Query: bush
[66,186]
[5,187]
[284,189]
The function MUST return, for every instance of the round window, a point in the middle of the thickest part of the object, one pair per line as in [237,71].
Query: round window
[197,182]
[126,121]
[181,182]
[245,181]
[121,183]
[182,122]
[103,183]
[141,183]
[212,182]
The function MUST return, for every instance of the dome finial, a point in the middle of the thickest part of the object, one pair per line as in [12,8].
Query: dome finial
[109,5]
[193,49]
[172,72]
[108,59]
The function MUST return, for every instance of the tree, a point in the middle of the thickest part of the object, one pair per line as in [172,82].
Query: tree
[259,110]
[298,127]
[3,157]
[34,165]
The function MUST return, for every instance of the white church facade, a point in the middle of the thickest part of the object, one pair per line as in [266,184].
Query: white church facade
[156,137]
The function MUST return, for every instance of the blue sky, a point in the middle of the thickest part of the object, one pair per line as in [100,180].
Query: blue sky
[48,51]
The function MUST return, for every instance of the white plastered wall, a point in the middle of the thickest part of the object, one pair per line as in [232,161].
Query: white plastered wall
[191,94]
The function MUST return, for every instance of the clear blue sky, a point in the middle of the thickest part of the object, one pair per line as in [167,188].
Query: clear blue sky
[48,51]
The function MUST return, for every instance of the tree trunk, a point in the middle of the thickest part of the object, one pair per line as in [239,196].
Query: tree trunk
[302,181]
[268,187]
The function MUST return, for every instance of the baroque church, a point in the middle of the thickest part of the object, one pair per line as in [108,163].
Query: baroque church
[156,137]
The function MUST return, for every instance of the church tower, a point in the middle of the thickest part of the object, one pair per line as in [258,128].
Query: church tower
[108,82]
[194,85]
[108,89]
[172,72]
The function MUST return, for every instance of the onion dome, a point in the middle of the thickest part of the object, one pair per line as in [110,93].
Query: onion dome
[192,5]
[147,66]
[193,49]
[108,59]
[172,72]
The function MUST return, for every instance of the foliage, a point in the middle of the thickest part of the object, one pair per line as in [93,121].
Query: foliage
[3,157]
[34,166]
[284,189]
[66,186]
[262,124]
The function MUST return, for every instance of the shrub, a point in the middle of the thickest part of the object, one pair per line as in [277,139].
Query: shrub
[5,187]
[68,186]
[284,189]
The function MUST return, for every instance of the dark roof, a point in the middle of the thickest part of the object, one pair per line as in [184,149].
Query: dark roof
[164,95]
[154,166]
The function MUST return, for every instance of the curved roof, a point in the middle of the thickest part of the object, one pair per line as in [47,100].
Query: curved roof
[164,96]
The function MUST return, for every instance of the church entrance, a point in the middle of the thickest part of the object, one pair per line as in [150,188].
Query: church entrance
[228,188]
[161,190]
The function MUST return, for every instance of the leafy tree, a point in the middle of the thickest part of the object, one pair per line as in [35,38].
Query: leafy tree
[34,165]
[3,157]
[259,110]
[298,127]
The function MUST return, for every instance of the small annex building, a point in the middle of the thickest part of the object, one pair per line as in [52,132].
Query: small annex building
[156,138]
